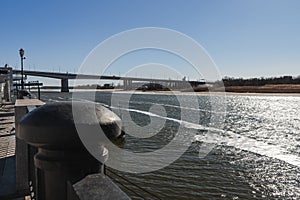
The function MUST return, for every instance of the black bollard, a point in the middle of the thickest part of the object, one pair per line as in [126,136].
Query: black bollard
[61,156]
[24,94]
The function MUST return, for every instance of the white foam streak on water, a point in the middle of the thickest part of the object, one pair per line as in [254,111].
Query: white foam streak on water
[229,138]
[252,145]
[173,106]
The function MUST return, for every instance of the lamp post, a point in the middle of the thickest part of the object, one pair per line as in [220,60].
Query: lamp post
[21,51]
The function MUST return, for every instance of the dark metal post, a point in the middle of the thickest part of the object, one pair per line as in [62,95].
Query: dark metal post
[61,156]
[22,73]
[39,92]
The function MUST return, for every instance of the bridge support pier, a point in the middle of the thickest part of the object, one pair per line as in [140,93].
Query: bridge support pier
[127,84]
[64,85]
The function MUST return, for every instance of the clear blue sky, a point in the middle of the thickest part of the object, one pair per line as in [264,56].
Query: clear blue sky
[250,38]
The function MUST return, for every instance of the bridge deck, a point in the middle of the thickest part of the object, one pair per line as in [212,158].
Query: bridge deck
[58,75]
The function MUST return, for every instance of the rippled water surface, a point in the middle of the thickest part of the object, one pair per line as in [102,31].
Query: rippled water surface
[255,152]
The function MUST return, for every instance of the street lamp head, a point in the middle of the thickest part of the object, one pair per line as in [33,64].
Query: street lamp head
[21,51]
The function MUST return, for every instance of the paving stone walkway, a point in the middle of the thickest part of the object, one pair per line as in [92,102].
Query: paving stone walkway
[7,149]
[7,131]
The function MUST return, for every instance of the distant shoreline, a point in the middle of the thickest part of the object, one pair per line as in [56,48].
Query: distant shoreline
[270,88]
[204,93]
[279,88]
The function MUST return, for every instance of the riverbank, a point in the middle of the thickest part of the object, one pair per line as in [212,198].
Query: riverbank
[206,93]
[280,88]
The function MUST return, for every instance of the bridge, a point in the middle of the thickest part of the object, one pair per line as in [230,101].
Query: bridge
[127,81]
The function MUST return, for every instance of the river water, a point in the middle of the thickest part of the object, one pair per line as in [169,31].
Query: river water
[256,154]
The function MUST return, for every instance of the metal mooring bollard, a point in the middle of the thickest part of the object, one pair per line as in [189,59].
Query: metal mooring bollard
[61,155]
[23,93]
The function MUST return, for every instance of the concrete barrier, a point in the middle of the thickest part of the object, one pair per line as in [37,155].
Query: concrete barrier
[24,153]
